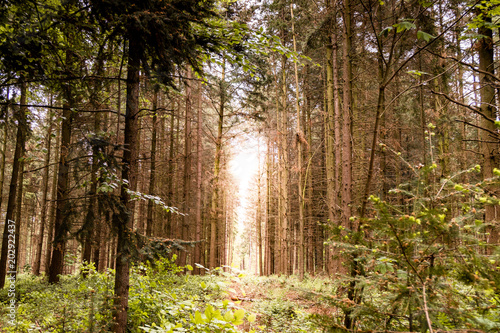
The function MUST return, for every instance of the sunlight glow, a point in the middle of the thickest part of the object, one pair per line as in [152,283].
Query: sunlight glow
[244,167]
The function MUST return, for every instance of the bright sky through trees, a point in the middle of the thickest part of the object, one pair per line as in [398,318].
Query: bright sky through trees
[244,167]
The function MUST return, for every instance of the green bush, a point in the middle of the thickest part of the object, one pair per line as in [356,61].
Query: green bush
[74,305]
[425,262]
[160,300]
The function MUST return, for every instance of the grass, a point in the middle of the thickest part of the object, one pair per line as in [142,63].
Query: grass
[164,300]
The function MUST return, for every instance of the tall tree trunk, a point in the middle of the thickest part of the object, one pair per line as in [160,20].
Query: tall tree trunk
[139,218]
[119,97]
[187,164]
[423,120]
[489,149]
[285,262]
[89,228]
[100,232]
[278,249]
[152,175]
[176,196]
[168,232]
[92,212]
[216,197]
[61,223]
[441,105]
[53,202]
[378,116]
[199,186]
[300,138]
[309,193]
[347,142]
[270,229]
[258,216]
[222,229]
[337,119]
[45,189]
[331,177]
[4,148]
[21,117]
[347,116]
[129,173]
[329,131]
[20,254]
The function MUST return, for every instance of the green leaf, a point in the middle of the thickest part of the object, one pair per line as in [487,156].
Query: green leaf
[251,318]
[198,319]
[385,32]
[404,26]
[228,316]
[425,3]
[189,267]
[238,316]
[424,35]
[209,311]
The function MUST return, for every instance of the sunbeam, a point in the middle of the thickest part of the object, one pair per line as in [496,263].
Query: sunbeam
[244,167]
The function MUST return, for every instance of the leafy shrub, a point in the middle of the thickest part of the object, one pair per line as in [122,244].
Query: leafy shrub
[280,315]
[74,305]
[426,262]
[160,300]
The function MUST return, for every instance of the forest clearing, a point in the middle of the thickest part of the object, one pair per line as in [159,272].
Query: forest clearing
[250,166]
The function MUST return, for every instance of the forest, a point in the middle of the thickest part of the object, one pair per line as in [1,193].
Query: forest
[250,166]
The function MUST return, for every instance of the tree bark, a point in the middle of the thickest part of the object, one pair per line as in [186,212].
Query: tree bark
[4,149]
[45,189]
[199,185]
[489,149]
[270,228]
[258,217]
[278,221]
[216,197]
[167,232]
[347,116]
[129,173]
[329,131]
[91,216]
[310,225]
[61,223]
[21,250]
[300,138]
[347,142]
[187,165]
[285,262]
[53,202]
[152,175]
[14,186]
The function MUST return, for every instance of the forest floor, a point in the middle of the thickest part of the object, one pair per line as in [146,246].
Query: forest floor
[296,296]
[164,299]
[285,304]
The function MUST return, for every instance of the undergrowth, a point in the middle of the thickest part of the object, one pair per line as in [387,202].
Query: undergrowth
[161,300]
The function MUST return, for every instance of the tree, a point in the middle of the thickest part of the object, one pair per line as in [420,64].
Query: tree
[15,186]
[489,146]
[43,218]
[300,140]
[21,58]
[159,38]
[215,221]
